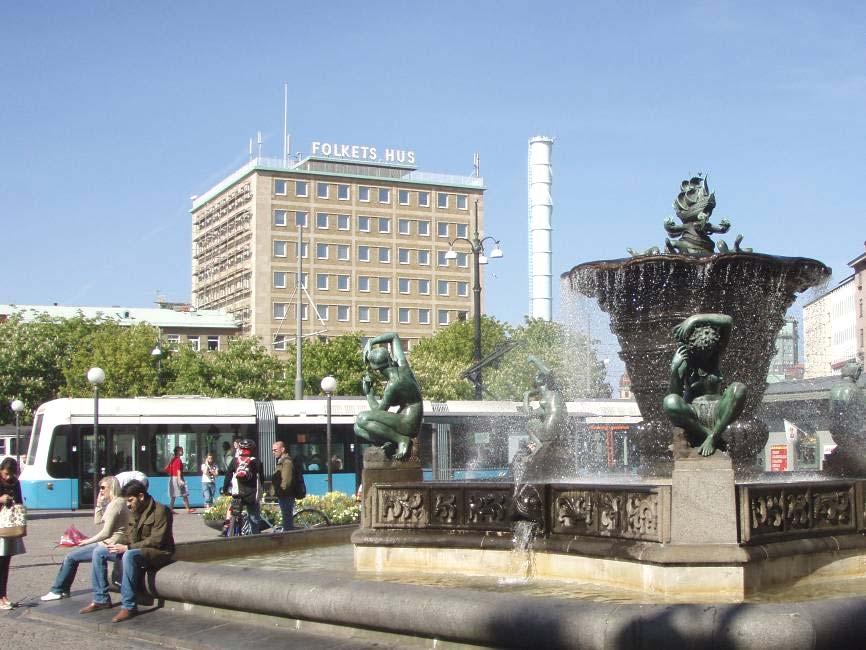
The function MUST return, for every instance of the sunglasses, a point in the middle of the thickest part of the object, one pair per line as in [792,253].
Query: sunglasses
[103,487]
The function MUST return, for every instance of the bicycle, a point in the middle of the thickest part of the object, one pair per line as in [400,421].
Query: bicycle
[239,523]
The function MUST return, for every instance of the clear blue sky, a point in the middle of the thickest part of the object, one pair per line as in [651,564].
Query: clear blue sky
[114,113]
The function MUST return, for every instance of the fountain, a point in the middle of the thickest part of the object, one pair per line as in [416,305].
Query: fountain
[699,526]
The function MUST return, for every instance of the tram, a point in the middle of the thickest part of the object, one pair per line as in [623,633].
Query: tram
[458,440]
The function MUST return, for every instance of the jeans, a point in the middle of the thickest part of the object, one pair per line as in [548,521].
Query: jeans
[287,507]
[207,492]
[69,567]
[254,512]
[134,564]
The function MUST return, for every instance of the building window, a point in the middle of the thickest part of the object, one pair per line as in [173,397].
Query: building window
[442,287]
[343,192]
[342,222]
[403,197]
[442,229]
[404,315]
[424,287]
[305,250]
[300,219]
[442,316]
[384,195]
[279,342]
[279,248]
[403,255]
[279,280]
[213,343]
[424,258]
[424,199]
[423,316]
[463,260]
[384,285]
[423,228]
[363,283]
[403,285]
[322,281]
[301,188]
[384,255]
[343,252]
[173,341]
[441,260]
[463,230]
[403,226]
[342,312]
[322,312]
[384,314]
[280,217]
[441,200]
[342,282]
[463,289]
[322,190]
[364,224]
[322,220]
[321,251]
[364,193]
[305,312]
[280,186]
[304,277]
[384,225]
[363,253]
[364,314]
[462,202]
[280,309]
[194,343]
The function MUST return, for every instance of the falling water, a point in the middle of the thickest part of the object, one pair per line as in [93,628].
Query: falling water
[521,566]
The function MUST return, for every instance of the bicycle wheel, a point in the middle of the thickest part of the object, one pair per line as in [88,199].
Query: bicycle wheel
[310,518]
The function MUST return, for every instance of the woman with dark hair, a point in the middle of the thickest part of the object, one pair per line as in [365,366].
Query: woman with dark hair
[10,494]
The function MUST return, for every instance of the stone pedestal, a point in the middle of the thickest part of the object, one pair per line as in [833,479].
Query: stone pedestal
[703,501]
[378,468]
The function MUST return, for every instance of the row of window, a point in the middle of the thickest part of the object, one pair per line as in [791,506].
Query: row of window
[343,283]
[366,193]
[365,313]
[342,253]
[173,341]
[325,221]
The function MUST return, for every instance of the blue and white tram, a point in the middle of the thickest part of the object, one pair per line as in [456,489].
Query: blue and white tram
[458,440]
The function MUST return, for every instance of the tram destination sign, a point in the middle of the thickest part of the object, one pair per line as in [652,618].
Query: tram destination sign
[362,152]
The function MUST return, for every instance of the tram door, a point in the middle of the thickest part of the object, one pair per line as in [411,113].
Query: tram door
[121,450]
[85,459]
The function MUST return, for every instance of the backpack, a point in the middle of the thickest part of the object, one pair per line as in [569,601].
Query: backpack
[299,488]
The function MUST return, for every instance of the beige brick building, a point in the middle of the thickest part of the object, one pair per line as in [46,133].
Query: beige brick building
[374,241]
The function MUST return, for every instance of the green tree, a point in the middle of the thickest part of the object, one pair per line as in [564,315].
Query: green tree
[339,356]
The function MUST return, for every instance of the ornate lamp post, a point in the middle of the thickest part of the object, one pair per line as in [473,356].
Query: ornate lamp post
[96,377]
[17,406]
[476,247]
[329,385]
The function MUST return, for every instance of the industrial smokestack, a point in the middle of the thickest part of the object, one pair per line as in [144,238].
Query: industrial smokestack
[540,227]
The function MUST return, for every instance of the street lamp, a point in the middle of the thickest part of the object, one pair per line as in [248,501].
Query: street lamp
[96,377]
[329,385]
[17,406]
[156,353]
[476,247]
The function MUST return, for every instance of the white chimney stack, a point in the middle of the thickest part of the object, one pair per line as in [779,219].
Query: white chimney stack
[540,227]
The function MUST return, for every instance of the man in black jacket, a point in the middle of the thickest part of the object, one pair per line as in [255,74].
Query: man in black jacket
[243,480]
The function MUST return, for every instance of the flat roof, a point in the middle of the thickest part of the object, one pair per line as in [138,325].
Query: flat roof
[342,168]
[129,316]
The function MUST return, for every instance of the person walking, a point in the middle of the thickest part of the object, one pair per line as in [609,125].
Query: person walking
[150,545]
[209,472]
[243,481]
[112,513]
[10,494]
[282,483]
[176,484]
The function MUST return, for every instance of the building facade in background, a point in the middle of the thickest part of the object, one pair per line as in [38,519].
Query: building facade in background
[178,323]
[858,264]
[787,352]
[373,233]
[829,324]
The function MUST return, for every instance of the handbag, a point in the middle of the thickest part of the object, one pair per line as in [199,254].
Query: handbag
[13,521]
[72,537]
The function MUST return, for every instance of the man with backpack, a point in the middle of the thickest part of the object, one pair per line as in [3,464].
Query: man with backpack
[287,483]
[243,481]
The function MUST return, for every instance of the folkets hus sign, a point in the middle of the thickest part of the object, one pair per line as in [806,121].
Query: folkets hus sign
[362,152]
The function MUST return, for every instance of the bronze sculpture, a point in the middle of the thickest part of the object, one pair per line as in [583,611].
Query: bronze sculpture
[394,431]
[550,418]
[696,401]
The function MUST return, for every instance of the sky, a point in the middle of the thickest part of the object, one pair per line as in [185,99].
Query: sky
[114,114]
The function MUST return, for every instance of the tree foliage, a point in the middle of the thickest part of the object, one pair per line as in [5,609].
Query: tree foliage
[339,356]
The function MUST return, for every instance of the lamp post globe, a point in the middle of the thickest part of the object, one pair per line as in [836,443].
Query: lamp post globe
[96,376]
[329,385]
[17,406]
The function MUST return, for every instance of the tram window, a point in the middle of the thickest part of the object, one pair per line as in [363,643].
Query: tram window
[59,461]
[34,442]
[197,440]
[3,445]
